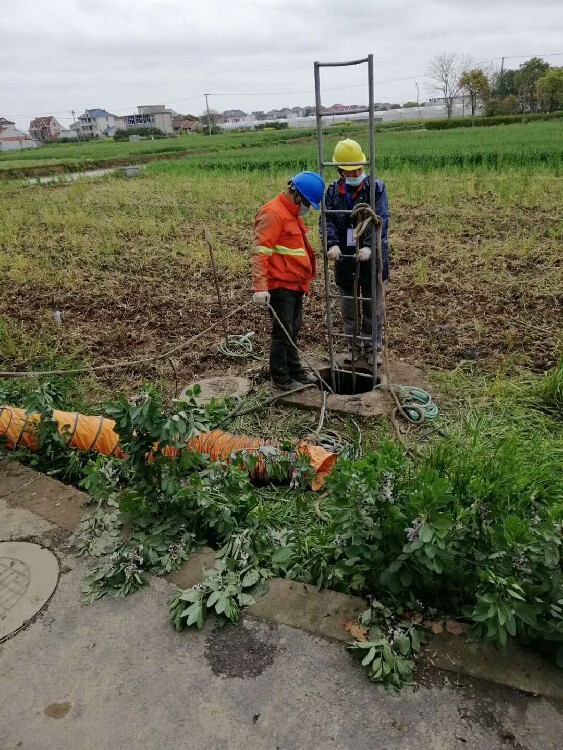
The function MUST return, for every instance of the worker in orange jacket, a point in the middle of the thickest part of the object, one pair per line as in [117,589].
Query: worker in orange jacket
[283,266]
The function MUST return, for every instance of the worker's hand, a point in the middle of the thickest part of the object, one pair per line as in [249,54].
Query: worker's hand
[364,253]
[334,253]
[261,298]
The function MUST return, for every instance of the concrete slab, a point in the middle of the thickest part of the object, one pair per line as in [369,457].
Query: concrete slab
[28,578]
[218,387]
[520,669]
[193,571]
[302,606]
[23,487]
[374,403]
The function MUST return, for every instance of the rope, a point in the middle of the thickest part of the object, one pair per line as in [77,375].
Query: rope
[240,346]
[126,362]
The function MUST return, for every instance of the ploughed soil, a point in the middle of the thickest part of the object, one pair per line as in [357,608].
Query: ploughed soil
[466,284]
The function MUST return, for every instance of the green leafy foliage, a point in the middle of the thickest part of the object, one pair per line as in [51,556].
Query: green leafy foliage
[389,649]
[226,588]
[119,575]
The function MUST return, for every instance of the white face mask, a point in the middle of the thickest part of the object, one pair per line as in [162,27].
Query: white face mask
[304,210]
[355,181]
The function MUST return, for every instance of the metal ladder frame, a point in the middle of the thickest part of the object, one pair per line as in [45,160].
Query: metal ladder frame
[322,164]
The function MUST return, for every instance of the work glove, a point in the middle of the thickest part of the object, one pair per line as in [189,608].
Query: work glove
[334,253]
[364,253]
[261,298]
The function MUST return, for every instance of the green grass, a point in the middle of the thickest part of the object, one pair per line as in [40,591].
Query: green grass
[535,145]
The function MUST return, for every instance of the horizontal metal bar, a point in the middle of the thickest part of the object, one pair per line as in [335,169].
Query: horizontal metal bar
[349,336]
[342,64]
[345,163]
[358,374]
[360,299]
[343,114]
[338,210]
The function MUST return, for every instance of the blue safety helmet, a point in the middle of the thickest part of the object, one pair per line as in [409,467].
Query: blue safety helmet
[311,186]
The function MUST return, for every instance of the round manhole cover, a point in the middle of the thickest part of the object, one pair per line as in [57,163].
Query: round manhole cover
[220,387]
[28,578]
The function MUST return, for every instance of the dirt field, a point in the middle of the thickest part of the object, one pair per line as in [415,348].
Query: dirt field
[477,271]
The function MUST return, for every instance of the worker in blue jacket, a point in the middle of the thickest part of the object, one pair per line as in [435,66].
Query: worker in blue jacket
[353,187]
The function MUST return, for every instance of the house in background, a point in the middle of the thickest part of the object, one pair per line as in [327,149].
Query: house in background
[93,122]
[46,128]
[181,125]
[12,139]
[150,116]
[234,116]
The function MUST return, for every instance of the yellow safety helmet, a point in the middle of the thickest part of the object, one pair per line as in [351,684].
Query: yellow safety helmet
[348,151]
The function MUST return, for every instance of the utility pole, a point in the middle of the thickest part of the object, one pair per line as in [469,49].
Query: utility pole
[501,74]
[208,115]
[74,120]
[418,99]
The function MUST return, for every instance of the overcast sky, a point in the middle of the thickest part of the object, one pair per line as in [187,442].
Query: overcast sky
[117,54]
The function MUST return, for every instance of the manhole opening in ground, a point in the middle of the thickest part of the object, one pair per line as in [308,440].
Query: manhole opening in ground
[345,385]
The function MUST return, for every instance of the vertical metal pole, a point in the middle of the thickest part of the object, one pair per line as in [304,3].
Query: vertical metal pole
[208,115]
[323,227]
[374,290]
[77,128]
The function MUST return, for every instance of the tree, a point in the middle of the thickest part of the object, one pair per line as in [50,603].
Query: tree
[526,79]
[475,84]
[410,105]
[214,118]
[509,105]
[445,71]
[503,84]
[550,90]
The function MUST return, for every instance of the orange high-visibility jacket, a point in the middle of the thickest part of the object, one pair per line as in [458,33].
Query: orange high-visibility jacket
[282,257]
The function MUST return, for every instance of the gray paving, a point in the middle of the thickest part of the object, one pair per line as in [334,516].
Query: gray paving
[115,675]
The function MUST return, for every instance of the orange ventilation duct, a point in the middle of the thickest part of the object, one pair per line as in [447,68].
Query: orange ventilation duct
[97,434]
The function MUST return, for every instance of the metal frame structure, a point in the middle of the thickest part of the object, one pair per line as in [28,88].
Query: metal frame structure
[322,164]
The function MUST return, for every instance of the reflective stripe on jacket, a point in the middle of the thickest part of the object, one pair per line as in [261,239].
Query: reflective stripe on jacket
[282,257]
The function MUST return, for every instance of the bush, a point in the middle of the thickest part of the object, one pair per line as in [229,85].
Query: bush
[480,121]
[123,135]
[272,126]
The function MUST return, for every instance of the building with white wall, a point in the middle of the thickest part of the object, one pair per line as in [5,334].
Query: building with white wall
[12,139]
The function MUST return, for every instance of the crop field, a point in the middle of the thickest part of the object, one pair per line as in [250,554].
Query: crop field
[476,253]
[475,298]
[537,145]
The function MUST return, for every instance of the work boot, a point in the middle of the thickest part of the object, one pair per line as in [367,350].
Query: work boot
[349,357]
[305,377]
[287,385]
[369,358]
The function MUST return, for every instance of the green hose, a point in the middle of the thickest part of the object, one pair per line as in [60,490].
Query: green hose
[411,395]
[240,346]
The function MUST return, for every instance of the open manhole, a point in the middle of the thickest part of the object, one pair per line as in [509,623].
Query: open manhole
[28,578]
[348,384]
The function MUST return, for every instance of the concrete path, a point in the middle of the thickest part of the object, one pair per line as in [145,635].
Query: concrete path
[115,675]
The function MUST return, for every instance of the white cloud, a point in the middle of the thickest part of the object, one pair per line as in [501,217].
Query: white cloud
[97,53]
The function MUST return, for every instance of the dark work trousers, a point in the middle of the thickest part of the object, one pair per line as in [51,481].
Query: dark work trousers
[284,359]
